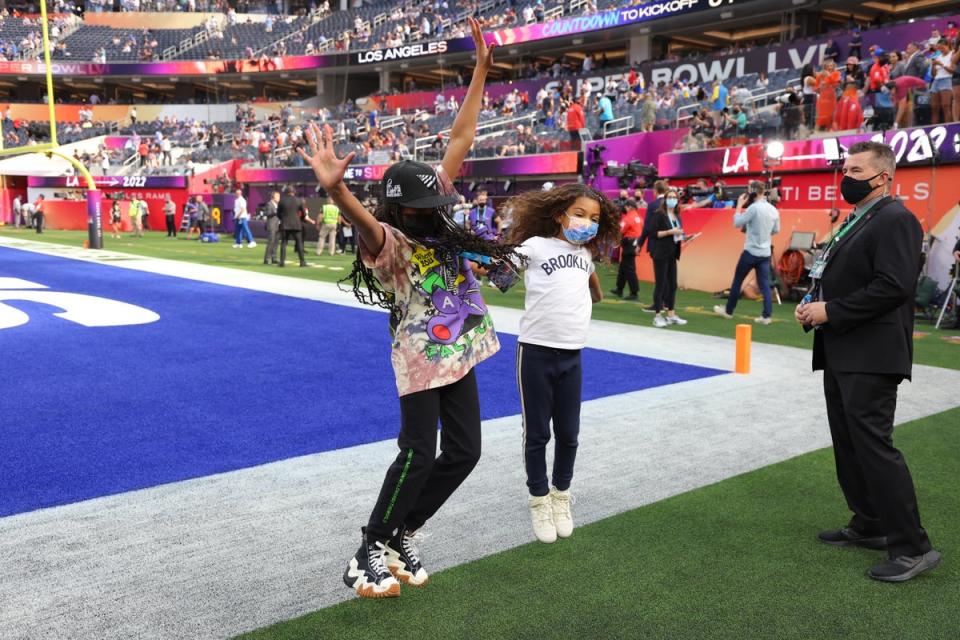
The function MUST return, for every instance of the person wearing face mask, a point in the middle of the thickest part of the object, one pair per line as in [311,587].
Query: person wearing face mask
[759,222]
[482,219]
[667,235]
[411,263]
[862,306]
[560,233]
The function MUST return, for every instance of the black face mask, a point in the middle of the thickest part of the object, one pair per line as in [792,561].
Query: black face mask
[854,191]
[421,226]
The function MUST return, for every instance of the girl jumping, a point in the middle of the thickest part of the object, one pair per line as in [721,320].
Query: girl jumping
[559,232]
[411,263]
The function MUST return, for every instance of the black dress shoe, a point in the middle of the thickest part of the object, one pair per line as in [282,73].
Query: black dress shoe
[848,537]
[631,298]
[617,292]
[905,567]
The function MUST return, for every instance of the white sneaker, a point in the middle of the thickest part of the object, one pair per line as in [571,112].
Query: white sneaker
[722,312]
[676,320]
[763,320]
[659,321]
[251,245]
[238,246]
[541,514]
[562,519]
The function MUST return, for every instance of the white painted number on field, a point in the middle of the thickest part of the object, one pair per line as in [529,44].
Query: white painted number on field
[90,311]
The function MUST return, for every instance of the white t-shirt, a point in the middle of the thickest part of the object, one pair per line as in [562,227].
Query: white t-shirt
[240,208]
[558,304]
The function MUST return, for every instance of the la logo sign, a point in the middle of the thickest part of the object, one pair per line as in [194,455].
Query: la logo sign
[89,311]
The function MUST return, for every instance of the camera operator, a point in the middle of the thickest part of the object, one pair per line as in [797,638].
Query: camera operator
[624,202]
[791,112]
[759,222]
[734,122]
[703,125]
[718,199]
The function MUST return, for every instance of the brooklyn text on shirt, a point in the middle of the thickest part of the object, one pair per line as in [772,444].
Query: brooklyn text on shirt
[566,261]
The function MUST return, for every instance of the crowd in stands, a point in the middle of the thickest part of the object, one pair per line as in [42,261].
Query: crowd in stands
[213,6]
[21,36]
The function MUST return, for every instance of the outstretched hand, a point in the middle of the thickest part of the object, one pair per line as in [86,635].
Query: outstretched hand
[484,53]
[322,158]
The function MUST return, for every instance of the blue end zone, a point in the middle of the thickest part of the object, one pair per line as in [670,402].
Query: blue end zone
[226,379]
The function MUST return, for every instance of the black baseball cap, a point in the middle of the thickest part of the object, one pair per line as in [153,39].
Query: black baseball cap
[414,184]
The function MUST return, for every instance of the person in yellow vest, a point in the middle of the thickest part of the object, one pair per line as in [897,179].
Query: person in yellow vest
[136,212]
[327,226]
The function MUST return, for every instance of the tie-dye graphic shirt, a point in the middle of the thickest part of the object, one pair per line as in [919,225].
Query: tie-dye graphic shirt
[444,329]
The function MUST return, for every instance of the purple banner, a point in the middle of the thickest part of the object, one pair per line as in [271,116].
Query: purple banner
[110,182]
[565,162]
[912,147]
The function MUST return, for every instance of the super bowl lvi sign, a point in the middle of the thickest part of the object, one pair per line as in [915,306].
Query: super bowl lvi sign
[89,311]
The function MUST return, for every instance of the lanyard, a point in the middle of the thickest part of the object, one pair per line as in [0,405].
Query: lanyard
[844,230]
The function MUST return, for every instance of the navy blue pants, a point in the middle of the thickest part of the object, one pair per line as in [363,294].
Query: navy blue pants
[748,262]
[550,381]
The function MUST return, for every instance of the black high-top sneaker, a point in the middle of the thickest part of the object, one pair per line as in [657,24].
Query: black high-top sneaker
[403,558]
[367,573]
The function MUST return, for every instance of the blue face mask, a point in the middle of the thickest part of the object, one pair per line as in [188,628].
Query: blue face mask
[580,230]
[671,203]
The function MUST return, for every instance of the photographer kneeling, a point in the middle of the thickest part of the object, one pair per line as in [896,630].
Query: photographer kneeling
[760,221]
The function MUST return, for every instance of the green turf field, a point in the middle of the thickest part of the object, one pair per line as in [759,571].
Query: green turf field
[736,560]
[932,347]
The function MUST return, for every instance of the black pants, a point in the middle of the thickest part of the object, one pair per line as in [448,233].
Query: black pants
[297,236]
[872,473]
[627,273]
[38,221]
[550,381]
[343,241]
[171,226]
[809,109]
[273,238]
[665,283]
[418,482]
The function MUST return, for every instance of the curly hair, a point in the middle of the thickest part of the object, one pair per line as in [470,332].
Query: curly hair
[452,242]
[537,213]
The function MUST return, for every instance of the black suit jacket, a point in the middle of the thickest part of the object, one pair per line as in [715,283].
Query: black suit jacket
[288,210]
[648,235]
[869,285]
[666,247]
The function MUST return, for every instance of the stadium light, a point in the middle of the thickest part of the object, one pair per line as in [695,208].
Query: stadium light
[775,150]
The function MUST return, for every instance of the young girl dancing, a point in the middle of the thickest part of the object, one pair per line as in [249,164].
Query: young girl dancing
[560,232]
[411,263]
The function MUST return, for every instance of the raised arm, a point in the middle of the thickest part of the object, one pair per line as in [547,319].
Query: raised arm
[465,126]
[329,170]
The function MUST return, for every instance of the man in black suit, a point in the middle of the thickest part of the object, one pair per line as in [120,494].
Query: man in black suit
[289,210]
[649,234]
[862,306]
